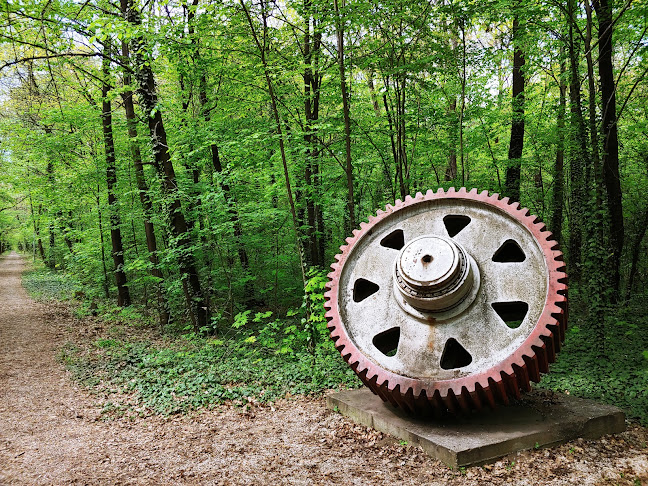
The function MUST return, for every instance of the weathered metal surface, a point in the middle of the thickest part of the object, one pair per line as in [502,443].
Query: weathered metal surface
[419,299]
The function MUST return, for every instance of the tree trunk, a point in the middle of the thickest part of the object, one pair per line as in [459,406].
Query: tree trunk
[350,204]
[558,173]
[395,152]
[35,222]
[579,155]
[143,191]
[516,146]
[261,46]
[311,113]
[196,305]
[451,169]
[51,253]
[611,175]
[123,295]
[228,194]
[106,285]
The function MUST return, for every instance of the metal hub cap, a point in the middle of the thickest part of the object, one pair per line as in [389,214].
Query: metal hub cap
[432,274]
[448,301]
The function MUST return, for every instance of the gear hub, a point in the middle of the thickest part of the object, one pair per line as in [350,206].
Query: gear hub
[448,301]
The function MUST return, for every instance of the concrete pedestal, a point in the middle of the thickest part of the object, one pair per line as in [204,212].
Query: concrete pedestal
[540,419]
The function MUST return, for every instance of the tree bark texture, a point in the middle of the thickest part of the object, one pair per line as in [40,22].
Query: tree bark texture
[143,191]
[578,155]
[123,294]
[194,297]
[517,123]
[609,133]
[559,172]
[346,112]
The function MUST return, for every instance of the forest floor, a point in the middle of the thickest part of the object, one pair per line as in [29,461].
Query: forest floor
[53,432]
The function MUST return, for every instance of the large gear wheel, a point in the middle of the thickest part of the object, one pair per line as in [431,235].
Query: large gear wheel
[448,302]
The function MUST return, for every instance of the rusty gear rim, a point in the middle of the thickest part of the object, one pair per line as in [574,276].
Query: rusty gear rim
[485,380]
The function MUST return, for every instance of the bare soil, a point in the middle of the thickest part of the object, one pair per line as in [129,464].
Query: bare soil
[52,432]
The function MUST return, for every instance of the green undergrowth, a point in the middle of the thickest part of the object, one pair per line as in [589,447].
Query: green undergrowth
[189,374]
[258,358]
[616,373]
[45,284]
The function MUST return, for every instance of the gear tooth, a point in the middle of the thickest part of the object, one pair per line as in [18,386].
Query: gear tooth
[551,348]
[349,358]
[532,367]
[505,200]
[462,190]
[408,398]
[450,402]
[402,402]
[429,193]
[419,195]
[485,395]
[379,212]
[483,194]
[541,354]
[421,403]
[398,203]
[472,192]
[338,257]
[511,383]
[475,398]
[363,225]
[350,239]
[498,388]
[450,191]
[522,377]
[408,198]
[355,233]
[466,401]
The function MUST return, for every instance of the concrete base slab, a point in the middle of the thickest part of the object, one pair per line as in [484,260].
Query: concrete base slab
[540,419]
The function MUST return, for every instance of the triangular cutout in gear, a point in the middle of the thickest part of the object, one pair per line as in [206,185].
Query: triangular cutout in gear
[394,240]
[363,288]
[454,223]
[510,251]
[454,355]
[387,341]
[512,313]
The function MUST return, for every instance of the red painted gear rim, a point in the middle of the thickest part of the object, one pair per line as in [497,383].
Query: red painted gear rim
[495,385]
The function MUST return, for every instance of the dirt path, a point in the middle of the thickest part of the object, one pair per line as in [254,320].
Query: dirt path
[51,433]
